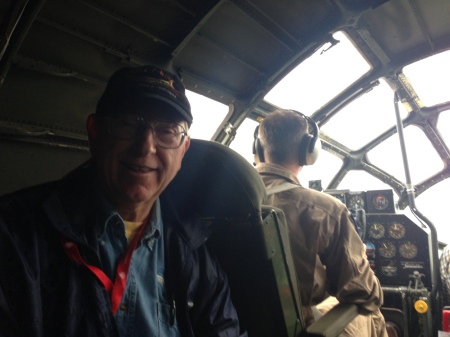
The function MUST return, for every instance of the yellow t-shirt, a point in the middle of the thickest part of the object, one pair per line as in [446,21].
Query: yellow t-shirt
[131,229]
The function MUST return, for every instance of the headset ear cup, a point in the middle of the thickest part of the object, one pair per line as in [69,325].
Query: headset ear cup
[310,145]
[313,154]
[258,151]
[304,149]
[309,150]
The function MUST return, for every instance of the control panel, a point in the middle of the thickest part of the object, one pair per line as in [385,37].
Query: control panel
[397,247]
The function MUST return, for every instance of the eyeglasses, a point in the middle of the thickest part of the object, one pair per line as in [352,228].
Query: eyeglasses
[167,135]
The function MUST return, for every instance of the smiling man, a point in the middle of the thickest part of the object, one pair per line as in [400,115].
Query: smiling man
[101,252]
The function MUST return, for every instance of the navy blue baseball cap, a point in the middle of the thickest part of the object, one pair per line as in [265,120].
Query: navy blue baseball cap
[146,82]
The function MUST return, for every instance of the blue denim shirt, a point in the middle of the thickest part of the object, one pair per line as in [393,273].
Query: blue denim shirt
[144,310]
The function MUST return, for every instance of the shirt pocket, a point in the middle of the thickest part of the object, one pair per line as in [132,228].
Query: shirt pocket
[167,321]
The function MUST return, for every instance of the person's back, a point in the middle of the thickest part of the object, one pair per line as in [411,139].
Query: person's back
[328,253]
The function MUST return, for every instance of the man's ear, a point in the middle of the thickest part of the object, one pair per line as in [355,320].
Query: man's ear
[187,143]
[92,131]
[91,127]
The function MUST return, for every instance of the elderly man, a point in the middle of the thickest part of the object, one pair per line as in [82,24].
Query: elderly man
[101,252]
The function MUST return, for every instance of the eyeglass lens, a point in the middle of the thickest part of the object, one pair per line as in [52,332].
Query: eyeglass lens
[166,134]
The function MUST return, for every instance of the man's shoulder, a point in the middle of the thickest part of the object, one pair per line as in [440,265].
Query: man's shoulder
[27,196]
[21,210]
[30,203]
[319,198]
[82,174]
[186,228]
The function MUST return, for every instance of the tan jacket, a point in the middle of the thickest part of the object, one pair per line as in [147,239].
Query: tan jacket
[327,251]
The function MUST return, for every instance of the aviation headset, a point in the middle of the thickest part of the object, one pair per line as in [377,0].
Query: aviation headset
[309,146]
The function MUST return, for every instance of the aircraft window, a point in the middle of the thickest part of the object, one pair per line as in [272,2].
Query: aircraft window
[243,141]
[319,78]
[372,114]
[205,123]
[434,205]
[430,78]
[362,181]
[443,125]
[419,150]
[323,169]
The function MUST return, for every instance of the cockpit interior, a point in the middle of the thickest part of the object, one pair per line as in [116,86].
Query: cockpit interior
[372,74]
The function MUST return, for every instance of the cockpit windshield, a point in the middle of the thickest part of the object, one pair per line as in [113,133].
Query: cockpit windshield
[329,72]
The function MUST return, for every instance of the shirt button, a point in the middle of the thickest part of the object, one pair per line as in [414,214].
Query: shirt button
[123,307]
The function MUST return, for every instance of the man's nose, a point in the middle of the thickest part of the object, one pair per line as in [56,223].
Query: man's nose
[146,140]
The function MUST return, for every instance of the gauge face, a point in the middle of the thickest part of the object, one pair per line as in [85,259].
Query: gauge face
[397,230]
[408,250]
[380,202]
[376,230]
[355,202]
[387,249]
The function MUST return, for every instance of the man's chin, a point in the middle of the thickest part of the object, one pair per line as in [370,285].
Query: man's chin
[141,195]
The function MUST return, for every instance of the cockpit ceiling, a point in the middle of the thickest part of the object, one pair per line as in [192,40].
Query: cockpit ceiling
[402,27]
[57,55]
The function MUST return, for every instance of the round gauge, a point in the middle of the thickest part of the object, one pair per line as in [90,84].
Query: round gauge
[408,250]
[355,202]
[380,202]
[387,249]
[397,230]
[376,230]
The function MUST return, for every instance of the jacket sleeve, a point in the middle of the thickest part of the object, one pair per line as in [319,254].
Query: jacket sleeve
[19,296]
[349,275]
[8,323]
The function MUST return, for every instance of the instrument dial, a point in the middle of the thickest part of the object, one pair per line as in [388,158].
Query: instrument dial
[408,250]
[376,230]
[380,202]
[356,202]
[387,249]
[397,230]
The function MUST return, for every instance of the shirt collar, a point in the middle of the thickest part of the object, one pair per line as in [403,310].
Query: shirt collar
[107,214]
[155,219]
[277,170]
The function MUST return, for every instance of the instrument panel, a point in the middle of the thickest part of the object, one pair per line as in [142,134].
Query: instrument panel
[376,201]
[396,246]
